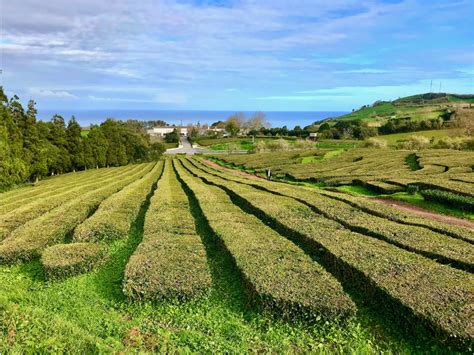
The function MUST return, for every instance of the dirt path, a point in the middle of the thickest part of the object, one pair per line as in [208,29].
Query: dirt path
[235,171]
[424,213]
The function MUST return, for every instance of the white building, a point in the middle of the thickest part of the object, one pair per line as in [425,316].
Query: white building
[162,131]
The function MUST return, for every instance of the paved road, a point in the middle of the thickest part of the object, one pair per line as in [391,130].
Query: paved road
[186,148]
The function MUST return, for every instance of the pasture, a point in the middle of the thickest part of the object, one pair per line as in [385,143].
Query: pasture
[184,256]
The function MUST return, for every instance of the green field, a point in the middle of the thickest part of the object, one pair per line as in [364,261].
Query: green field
[170,257]
[393,139]
[417,107]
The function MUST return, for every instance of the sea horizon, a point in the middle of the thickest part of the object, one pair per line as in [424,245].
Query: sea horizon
[185,117]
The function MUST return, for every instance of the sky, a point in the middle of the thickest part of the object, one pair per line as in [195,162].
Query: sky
[269,55]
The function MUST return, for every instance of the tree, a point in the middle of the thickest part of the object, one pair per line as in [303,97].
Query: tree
[75,145]
[234,123]
[172,137]
[156,151]
[257,121]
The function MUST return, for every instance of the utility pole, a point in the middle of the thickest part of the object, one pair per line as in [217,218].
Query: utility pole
[431,86]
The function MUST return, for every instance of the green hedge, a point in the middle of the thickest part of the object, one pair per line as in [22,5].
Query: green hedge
[28,241]
[114,217]
[417,239]
[40,206]
[276,274]
[65,260]
[170,262]
[449,198]
[398,282]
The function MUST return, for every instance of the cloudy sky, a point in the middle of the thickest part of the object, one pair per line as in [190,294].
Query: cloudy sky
[233,54]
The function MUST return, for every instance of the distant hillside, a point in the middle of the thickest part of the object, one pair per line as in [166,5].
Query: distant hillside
[417,107]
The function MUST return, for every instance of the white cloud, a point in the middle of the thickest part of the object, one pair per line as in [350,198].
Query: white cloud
[57,94]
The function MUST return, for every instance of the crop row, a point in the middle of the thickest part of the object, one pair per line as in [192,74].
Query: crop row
[276,273]
[29,240]
[112,220]
[170,262]
[399,282]
[370,207]
[114,217]
[44,191]
[449,198]
[437,167]
[380,186]
[52,182]
[39,207]
[421,240]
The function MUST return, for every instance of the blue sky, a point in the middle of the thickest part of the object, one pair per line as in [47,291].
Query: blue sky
[248,55]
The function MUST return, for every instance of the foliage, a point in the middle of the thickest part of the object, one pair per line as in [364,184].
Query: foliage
[276,273]
[31,149]
[234,123]
[170,262]
[449,198]
[65,260]
[172,137]
[375,143]
[415,143]
[114,217]
[29,240]
[383,270]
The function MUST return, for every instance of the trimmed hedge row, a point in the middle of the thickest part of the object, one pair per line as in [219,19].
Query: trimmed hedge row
[370,165]
[381,187]
[170,262]
[396,215]
[28,241]
[449,198]
[277,274]
[442,248]
[39,207]
[65,260]
[50,189]
[373,209]
[398,282]
[115,215]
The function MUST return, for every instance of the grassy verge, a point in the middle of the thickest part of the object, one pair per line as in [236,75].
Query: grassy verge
[419,201]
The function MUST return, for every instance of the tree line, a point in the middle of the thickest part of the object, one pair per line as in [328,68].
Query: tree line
[31,149]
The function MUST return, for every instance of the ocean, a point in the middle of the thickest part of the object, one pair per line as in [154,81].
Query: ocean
[275,118]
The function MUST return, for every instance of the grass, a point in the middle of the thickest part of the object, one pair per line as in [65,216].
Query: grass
[357,190]
[413,199]
[418,200]
[170,145]
[393,139]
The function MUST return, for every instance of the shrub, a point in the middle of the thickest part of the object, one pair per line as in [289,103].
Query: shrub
[386,273]
[277,274]
[412,189]
[116,214]
[40,206]
[64,260]
[303,144]
[28,241]
[415,143]
[170,262]
[375,143]
[449,198]
[278,145]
